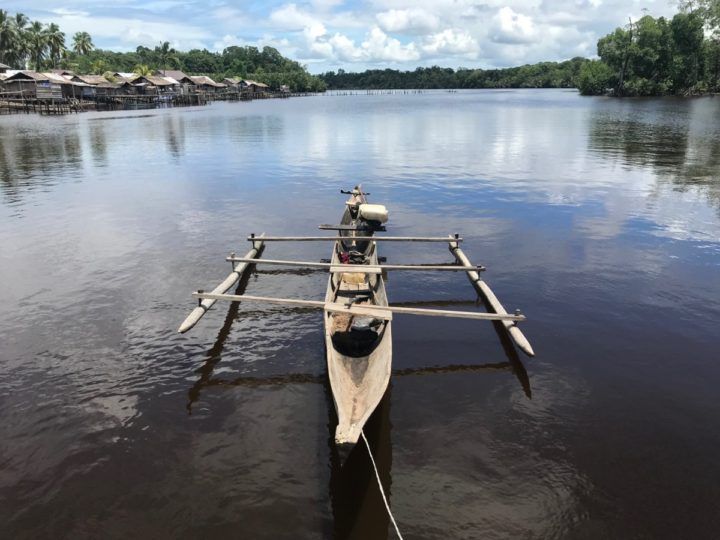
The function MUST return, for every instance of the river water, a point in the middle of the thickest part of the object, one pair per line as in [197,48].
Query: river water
[599,218]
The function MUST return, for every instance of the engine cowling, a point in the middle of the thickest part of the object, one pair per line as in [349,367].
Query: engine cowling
[373,212]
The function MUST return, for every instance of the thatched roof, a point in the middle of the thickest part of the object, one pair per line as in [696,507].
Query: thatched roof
[152,80]
[3,66]
[91,79]
[203,79]
[60,79]
[258,84]
[231,80]
[27,75]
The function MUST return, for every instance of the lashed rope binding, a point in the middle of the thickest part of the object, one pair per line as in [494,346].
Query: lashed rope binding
[382,491]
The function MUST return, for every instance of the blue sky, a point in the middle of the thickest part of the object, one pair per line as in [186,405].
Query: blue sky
[356,34]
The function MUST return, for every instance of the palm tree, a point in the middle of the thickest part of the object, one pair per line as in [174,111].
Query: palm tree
[98,67]
[142,69]
[55,42]
[8,37]
[22,50]
[82,43]
[37,43]
[166,54]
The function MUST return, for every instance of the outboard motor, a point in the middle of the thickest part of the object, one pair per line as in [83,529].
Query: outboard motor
[373,214]
[370,219]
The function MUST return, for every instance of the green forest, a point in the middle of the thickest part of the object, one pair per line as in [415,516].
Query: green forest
[542,75]
[24,43]
[656,56]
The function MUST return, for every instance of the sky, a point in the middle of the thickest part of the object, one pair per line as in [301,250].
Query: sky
[356,34]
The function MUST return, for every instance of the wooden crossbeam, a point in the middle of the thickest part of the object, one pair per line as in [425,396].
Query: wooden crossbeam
[354,268]
[358,238]
[344,227]
[336,306]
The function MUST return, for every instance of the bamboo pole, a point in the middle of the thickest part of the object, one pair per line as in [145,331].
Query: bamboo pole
[444,239]
[485,291]
[359,268]
[362,310]
[238,270]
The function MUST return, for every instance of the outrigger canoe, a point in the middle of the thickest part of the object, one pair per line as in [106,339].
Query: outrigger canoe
[356,313]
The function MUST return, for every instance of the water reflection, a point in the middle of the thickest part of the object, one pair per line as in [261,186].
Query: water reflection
[357,506]
[678,140]
[175,134]
[98,143]
[28,161]
[594,235]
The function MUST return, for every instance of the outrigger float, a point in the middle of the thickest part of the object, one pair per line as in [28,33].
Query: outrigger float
[357,316]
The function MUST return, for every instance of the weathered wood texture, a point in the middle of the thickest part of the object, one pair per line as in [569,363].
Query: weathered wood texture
[197,313]
[358,267]
[359,310]
[485,292]
[444,239]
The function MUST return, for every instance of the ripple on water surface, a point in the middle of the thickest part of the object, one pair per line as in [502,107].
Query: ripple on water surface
[597,217]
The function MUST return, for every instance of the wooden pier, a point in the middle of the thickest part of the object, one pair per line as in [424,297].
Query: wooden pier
[18,103]
[11,104]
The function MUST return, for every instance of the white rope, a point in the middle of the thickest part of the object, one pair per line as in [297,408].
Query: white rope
[382,491]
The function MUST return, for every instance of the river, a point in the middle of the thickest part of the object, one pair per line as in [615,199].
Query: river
[598,218]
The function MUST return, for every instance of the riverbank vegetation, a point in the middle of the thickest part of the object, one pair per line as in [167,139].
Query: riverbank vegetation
[26,44]
[657,56]
[542,75]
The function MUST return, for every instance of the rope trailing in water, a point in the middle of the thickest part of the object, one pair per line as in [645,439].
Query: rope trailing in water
[382,491]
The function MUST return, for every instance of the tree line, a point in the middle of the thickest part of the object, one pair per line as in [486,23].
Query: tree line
[26,44]
[542,75]
[656,56]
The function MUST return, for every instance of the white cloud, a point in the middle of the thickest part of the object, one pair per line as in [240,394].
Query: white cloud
[358,35]
[376,47]
[379,46]
[413,20]
[325,4]
[510,26]
[64,12]
[289,17]
[132,32]
[451,42]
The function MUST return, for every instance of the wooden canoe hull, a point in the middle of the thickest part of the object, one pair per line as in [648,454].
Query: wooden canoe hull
[358,384]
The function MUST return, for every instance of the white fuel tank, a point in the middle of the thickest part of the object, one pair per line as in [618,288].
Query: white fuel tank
[374,212]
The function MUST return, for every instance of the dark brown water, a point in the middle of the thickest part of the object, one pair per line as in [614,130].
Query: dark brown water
[599,218]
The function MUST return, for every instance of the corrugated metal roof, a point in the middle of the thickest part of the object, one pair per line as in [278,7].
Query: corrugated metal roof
[173,73]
